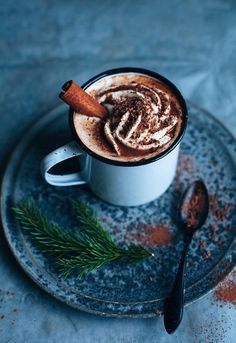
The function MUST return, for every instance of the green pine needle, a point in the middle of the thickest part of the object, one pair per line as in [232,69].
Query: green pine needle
[81,251]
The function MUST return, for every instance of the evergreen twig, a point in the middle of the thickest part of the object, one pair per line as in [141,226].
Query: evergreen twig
[80,251]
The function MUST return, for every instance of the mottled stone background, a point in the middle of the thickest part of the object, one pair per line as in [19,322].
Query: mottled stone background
[42,44]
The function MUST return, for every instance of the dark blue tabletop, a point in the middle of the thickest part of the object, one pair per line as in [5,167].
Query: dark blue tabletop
[43,43]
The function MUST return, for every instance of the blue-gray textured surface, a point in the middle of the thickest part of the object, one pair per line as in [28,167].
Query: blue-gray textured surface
[44,43]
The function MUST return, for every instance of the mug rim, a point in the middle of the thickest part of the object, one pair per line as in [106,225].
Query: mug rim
[143,161]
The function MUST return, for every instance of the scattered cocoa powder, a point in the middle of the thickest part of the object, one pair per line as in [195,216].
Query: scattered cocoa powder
[206,254]
[158,312]
[213,329]
[213,229]
[202,244]
[154,235]
[187,166]
[220,212]
[186,163]
[220,240]
[226,290]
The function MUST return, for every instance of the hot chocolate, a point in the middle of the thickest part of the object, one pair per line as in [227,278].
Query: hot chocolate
[144,118]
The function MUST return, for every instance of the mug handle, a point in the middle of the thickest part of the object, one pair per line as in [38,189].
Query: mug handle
[61,154]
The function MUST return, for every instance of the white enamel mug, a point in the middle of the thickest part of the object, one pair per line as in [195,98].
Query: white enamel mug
[119,183]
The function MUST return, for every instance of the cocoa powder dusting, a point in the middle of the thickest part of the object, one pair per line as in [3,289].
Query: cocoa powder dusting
[154,235]
[219,211]
[226,291]
[218,323]
[186,166]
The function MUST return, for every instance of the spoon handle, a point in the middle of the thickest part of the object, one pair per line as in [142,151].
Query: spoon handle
[173,312]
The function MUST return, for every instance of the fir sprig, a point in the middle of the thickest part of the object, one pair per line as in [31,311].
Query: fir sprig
[81,251]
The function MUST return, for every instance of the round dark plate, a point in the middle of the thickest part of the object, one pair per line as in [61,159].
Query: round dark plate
[208,151]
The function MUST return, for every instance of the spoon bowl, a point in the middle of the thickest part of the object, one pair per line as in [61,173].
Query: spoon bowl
[194,207]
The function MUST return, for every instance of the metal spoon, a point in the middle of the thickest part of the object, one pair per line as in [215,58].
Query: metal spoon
[193,213]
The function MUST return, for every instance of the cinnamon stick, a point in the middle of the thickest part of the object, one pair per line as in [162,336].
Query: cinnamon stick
[81,101]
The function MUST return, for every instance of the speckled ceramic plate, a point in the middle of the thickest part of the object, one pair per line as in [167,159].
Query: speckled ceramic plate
[208,151]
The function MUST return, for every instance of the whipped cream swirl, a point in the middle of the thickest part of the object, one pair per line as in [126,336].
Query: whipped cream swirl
[141,118]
